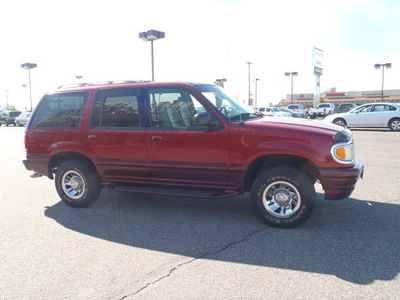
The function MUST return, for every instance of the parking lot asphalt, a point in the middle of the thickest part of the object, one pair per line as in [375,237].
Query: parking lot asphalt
[135,246]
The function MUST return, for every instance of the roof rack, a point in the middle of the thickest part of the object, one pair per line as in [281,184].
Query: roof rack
[100,83]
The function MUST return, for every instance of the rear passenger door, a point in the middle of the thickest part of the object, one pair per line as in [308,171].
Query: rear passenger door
[181,153]
[117,137]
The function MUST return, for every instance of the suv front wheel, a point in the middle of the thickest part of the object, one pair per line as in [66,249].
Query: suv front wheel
[283,196]
[77,184]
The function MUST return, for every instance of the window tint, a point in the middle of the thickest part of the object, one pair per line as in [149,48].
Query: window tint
[173,108]
[392,108]
[116,108]
[60,111]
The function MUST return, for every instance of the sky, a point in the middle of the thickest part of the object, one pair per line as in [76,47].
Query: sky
[204,41]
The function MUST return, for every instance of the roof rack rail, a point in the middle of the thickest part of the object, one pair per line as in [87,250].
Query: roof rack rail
[100,83]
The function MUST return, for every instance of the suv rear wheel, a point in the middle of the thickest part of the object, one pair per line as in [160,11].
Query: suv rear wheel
[283,196]
[77,184]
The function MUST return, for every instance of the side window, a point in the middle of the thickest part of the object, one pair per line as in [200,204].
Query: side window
[392,108]
[60,111]
[364,109]
[116,108]
[381,107]
[173,108]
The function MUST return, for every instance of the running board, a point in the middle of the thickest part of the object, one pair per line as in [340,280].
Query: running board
[173,192]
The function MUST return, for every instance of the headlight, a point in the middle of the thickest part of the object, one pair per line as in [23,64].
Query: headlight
[343,153]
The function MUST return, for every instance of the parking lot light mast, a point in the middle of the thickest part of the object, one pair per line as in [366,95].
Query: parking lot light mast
[151,35]
[249,63]
[378,66]
[29,66]
[291,74]
[255,92]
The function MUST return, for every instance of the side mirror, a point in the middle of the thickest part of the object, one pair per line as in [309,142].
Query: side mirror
[202,119]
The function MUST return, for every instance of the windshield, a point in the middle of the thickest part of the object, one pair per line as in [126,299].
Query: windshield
[230,108]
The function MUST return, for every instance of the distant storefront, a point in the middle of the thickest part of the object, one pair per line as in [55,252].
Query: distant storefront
[357,97]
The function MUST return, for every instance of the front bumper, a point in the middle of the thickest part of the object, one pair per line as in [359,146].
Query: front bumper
[339,183]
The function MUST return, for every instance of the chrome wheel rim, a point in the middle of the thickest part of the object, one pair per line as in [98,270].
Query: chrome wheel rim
[73,184]
[396,125]
[281,199]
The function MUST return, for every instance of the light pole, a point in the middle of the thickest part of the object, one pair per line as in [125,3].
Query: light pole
[255,92]
[7,91]
[249,63]
[291,74]
[29,66]
[151,35]
[79,77]
[378,66]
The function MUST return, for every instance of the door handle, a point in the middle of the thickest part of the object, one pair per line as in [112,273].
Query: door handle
[157,138]
[92,137]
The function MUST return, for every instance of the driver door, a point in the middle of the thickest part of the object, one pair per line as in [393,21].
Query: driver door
[179,152]
[360,117]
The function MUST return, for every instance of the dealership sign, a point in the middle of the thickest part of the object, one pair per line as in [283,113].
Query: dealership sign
[318,56]
[371,93]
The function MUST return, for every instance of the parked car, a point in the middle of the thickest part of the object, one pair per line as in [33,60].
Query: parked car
[370,115]
[22,119]
[298,109]
[8,117]
[293,113]
[322,110]
[345,107]
[188,140]
[273,112]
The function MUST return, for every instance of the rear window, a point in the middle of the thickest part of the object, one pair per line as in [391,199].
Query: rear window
[15,113]
[60,111]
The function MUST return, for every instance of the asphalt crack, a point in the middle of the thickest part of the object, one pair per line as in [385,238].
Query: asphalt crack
[194,259]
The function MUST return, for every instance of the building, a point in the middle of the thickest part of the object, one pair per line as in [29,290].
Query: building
[357,97]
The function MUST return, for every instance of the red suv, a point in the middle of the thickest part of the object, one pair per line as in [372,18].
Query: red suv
[189,140]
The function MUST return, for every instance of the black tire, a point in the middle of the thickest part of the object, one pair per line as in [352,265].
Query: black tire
[340,121]
[77,183]
[296,196]
[395,124]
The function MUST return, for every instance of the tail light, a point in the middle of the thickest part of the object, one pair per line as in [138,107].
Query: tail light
[26,143]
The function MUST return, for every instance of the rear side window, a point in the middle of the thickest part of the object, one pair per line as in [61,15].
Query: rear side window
[60,111]
[116,108]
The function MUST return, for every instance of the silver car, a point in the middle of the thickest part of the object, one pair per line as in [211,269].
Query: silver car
[22,119]
[370,115]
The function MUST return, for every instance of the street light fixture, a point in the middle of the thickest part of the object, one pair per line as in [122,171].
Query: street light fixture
[378,66]
[151,35]
[29,66]
[79,77]
[291,74]
[220,82]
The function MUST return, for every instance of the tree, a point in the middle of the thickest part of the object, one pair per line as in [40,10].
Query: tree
[12,108]
[321,100]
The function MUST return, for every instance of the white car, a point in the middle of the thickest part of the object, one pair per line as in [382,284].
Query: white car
[22,119]
[273,111]
[370,115]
